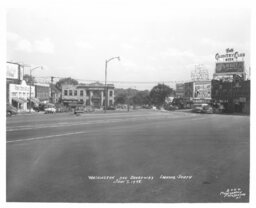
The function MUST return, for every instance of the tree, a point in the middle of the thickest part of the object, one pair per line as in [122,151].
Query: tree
[159,93]
[29,79]
[64,81]
[141,98]
[120,98]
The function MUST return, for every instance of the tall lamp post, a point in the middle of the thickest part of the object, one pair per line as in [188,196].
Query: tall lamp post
[30,85]
[106,91]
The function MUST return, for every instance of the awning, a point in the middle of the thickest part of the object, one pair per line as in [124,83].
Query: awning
[18,100]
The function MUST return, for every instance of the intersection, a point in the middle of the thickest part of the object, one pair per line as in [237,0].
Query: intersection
[152,156]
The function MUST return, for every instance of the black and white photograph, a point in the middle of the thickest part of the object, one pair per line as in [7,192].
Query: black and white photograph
[127,102]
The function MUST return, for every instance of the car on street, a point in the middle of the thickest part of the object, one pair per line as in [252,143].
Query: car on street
[50,110]
[202,108]
[207,109]
[10,110]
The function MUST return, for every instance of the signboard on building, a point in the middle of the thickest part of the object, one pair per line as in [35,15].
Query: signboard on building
[229,67]
[202,90]
[230,55]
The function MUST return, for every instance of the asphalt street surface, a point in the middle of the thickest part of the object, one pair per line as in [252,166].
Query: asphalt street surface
[138,156]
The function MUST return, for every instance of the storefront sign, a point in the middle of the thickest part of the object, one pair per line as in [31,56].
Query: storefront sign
[230,55]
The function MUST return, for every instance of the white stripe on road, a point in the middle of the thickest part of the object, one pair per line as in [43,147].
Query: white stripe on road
[45,137]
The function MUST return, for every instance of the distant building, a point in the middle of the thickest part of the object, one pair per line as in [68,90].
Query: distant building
[180,90]
[88,94]
[42,92]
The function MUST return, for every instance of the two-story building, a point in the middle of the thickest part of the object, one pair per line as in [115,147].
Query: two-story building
[88,94]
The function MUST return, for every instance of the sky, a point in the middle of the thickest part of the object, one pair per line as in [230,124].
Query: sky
[156,42]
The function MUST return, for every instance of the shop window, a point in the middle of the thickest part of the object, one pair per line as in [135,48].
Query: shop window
[65,92]
[70,92]
[75,92]
[81,93]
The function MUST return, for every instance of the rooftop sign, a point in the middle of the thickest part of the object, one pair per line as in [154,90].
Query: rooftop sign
[230,55]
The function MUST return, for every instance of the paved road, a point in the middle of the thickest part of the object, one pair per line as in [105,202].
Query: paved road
[160,157]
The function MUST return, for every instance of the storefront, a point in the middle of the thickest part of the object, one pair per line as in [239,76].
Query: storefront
[19,95]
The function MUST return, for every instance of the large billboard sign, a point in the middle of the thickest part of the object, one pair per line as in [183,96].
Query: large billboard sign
[230,55]
[12,71]
[202,90]
[229,67]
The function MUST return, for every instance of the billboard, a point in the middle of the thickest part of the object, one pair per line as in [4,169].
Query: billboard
[12,71]
[203,90]
[230,67]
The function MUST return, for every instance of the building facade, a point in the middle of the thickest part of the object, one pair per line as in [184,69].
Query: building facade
[233,95]
[229,85]
[88,94]
[42,92]
[19,95]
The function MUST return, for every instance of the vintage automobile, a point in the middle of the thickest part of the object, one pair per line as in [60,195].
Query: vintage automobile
[202,108]
[50,110]
[10,110]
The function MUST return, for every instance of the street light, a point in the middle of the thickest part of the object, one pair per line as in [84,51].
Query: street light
[30,85]
[106,91]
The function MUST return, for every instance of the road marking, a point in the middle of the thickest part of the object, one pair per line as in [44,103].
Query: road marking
[45,137]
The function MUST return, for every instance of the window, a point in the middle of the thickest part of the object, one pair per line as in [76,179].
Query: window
[111,93]
[75,92]
[81,93]
[88,93]
[70,92]
[110,102]
[65,92]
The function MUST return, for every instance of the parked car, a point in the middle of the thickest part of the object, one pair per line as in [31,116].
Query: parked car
[10,110]
[202,108]
[207,109]
[79,109]
[50,110]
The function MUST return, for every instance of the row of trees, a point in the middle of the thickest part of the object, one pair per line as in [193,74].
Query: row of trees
[156,96]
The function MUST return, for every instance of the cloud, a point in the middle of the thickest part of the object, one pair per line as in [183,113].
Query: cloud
[217,45]
[84,45]
[21,44]
[172,52]
[44,46]
[24,45]
[127,46]
[12,36]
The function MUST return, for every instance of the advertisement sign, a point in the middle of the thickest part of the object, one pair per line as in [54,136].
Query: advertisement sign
[230,55]
[227,67]
[203,90]
[12,71]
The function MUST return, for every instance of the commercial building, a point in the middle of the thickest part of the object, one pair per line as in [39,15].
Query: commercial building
[229,85]
[88,94]
[19,95]
[42,92]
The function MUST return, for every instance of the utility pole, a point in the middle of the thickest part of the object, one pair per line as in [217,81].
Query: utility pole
[51,89]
